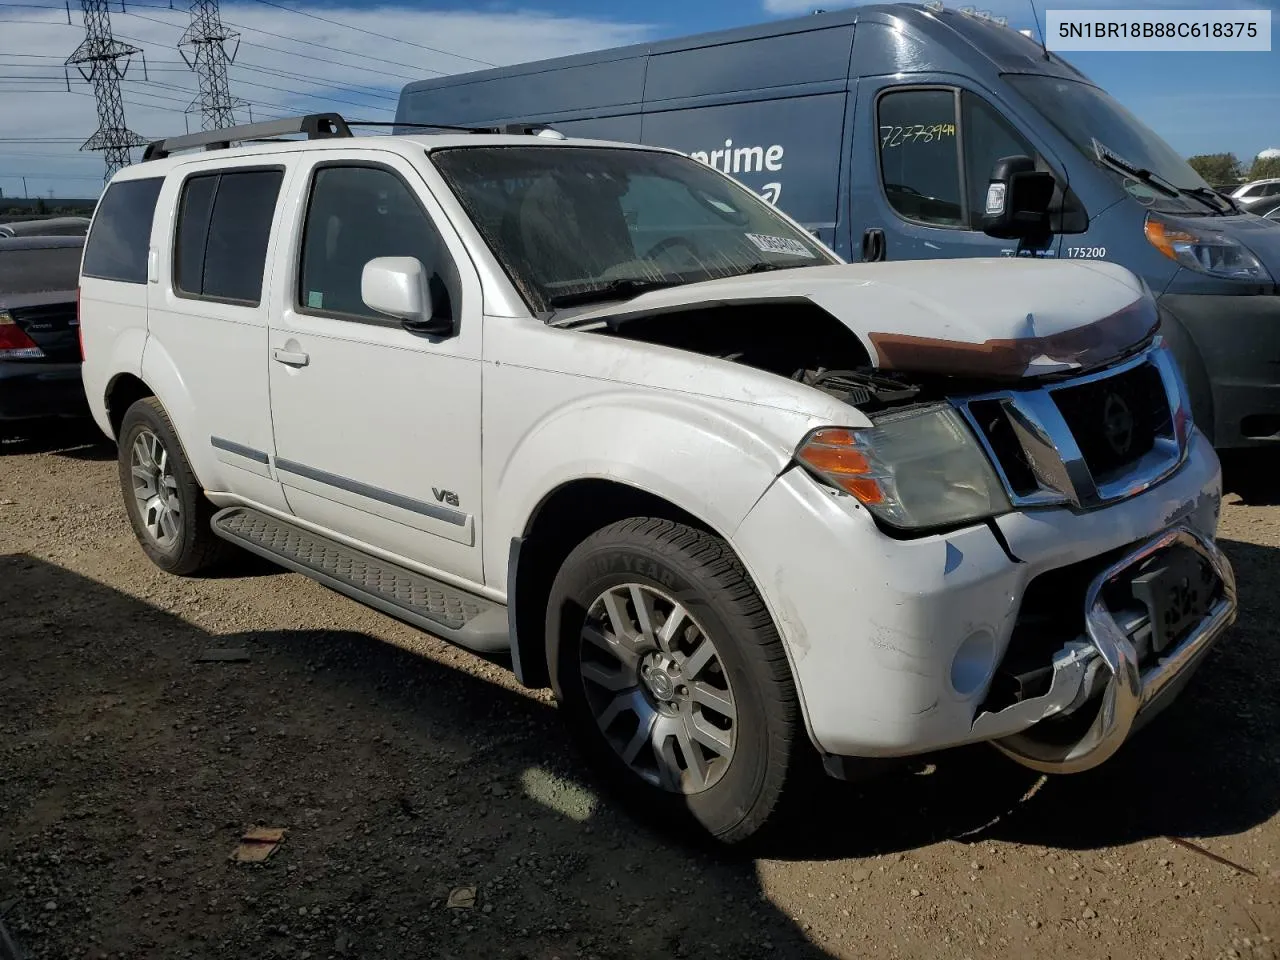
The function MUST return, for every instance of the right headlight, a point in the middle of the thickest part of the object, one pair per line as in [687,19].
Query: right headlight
[914,470]
[1204,250]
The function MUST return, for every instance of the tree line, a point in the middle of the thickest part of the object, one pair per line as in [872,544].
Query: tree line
[1225,169]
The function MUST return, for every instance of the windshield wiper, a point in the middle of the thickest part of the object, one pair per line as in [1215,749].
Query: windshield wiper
[1115,162]
[623,288]
[1211,198]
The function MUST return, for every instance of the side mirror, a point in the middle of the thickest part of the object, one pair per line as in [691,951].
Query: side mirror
[400,287]
[1019,198]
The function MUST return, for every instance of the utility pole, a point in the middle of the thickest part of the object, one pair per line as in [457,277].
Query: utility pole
[102,60]
[203,47]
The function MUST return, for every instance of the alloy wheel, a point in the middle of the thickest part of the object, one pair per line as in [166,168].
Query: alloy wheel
[657,688]
[155,488]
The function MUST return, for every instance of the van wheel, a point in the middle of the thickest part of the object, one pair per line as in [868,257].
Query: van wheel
[165,502]
[672,676]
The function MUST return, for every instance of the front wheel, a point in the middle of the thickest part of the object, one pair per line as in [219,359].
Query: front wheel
[166,505]
[672,676]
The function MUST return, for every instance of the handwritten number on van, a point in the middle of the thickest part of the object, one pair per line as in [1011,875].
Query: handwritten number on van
[1087,253]
[892,135]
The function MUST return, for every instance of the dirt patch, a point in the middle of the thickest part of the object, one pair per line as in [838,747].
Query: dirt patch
[433,809]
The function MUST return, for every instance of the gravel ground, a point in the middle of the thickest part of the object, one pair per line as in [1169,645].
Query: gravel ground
[406,771]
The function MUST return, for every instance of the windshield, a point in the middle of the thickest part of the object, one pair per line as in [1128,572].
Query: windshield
[1084,113]
[570,224]
[37,271]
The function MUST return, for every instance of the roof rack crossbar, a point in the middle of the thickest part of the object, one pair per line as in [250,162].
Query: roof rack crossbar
[316,126]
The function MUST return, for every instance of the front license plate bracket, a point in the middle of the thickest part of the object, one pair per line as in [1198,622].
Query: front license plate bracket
[1178,587]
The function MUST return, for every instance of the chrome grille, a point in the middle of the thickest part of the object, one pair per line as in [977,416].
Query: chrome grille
[1088,441]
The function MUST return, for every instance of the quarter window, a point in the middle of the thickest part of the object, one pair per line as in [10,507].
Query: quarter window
[117,245]
[356,214]
[224,225]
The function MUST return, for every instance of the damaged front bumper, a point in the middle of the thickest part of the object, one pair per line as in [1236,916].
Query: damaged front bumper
[898,646]
[1105,673]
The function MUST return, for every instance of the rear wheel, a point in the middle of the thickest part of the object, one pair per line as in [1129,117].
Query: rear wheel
[166,505]
[672,676]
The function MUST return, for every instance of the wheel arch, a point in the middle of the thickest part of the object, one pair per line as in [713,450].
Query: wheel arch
[123,391]
[562,519]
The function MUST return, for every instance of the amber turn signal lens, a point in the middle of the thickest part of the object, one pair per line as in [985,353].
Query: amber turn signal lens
[1162,237]
[833,455]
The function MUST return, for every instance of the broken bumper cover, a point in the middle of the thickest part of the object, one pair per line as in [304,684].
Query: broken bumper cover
[1129,690]
[894,643]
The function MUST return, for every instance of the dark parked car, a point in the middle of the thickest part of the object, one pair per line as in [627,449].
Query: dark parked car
[39,331]
[47,227]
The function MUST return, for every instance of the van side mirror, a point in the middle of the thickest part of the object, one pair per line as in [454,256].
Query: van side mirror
[400,287]
[1019,198]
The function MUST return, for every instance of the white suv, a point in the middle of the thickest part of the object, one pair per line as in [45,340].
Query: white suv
[601,407]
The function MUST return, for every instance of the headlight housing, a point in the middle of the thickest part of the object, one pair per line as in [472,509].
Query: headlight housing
[1204,250]
[914,470]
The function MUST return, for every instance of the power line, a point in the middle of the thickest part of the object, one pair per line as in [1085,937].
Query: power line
[381,36]
[300,13]
[294,53]
[311,58]
[153,66]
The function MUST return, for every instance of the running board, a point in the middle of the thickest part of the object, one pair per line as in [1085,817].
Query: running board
[456,615]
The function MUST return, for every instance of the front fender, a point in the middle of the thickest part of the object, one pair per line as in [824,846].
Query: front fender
[712,459]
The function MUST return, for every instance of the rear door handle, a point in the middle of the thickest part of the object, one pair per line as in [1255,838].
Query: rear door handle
[290,358]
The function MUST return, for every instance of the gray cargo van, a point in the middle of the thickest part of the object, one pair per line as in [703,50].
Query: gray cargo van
[878,128]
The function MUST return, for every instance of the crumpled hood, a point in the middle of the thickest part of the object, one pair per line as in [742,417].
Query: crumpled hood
[999,317]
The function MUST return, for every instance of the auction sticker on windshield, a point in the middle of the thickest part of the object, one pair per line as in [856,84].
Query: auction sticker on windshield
[785,245]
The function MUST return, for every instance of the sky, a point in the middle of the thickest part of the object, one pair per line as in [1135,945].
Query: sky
[298,56]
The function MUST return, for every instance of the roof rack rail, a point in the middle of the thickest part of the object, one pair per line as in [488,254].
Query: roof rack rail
[317,126]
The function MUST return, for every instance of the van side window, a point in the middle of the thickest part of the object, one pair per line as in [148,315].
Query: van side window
[224,224]
[117,245]
[919,162]
[988,137]
[355,214]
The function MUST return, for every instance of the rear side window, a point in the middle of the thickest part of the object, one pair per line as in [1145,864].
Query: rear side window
[224,224]
[121,234]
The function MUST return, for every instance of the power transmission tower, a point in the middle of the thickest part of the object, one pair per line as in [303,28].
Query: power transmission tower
[102,60]
[206,38]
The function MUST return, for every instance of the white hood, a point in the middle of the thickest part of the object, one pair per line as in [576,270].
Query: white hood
[998,317]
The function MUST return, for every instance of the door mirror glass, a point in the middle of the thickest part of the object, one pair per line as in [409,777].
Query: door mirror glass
[400,287]
[1017,202]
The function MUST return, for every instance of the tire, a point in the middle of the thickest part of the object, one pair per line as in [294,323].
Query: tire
[173,532]
[718,742]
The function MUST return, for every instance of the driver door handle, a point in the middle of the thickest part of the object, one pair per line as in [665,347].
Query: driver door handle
[290,358]
[873,245]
